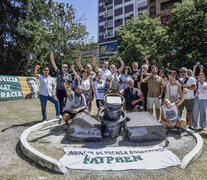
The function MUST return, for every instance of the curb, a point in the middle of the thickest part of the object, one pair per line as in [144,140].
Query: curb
[37,156]
[57,166]
[196,152]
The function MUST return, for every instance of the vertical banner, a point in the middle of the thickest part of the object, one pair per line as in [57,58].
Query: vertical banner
[10,88]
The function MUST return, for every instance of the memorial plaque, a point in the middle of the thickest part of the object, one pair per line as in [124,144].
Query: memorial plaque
[84,128]
[143,127]
[114,100]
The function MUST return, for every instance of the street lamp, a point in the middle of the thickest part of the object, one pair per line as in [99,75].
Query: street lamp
[62,13]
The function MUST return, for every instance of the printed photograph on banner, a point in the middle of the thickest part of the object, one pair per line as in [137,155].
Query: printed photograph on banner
[33,85]
[30,88]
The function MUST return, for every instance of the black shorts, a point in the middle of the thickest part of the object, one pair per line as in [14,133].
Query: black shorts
[71,114]
[99,103]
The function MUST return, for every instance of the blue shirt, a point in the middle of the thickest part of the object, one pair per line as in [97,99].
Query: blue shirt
[46,84]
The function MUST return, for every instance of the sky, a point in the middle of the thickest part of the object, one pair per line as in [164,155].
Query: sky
[87,11]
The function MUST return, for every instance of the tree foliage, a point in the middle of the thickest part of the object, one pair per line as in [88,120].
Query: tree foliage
[142,35]
[182,42]
[188,33]
[31,30]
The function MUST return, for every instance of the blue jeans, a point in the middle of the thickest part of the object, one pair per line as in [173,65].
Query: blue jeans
[199,107]
[43,100]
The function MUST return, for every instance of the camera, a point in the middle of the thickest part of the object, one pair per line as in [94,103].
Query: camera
[198,64]
[169,71]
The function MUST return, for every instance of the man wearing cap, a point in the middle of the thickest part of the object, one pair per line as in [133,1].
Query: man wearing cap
[188,83]
[62,76]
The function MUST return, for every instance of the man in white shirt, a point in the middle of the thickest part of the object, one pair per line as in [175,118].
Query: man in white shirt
[105,73]
[47,92]
[190,84]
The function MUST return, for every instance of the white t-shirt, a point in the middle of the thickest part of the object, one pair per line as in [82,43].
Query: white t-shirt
[190,93]
[104,74]
[202,91]
[85,84]
[46,84]
[170,114]
[172,90]
[114,84]
[99,89]
[123,80]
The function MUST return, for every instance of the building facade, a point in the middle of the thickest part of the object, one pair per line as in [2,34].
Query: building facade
[161,8]
[112,14]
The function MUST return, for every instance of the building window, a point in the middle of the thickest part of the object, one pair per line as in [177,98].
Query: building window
[153,11]
[169,4]
[166,5]
[165,19]
[152,1]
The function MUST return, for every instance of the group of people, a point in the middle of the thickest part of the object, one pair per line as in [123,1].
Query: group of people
[141,89]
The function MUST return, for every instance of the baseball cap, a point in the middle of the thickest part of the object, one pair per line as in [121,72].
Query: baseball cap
[64,65]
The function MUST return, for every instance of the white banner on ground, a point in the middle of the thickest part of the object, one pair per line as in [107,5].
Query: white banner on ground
[119,158]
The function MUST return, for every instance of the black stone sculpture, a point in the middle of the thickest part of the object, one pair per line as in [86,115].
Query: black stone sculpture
[84,128]
[112,116]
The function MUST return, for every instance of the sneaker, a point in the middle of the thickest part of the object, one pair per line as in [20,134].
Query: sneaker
[203,129]
[44,119]
[59,117]
[179,131]
[193,128]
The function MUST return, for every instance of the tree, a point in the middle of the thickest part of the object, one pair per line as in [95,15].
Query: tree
[31,29]
[187,31]
[11,57]
[143,35]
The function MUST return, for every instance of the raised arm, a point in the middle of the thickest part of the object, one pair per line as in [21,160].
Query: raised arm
[146,60]
[67,88]
[201,68]
[35,72]
[79,64]
[122,64]
[53,62]
[94,64]
[141,77]
[75,73]
[183,97]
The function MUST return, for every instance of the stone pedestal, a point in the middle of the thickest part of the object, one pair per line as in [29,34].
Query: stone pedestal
[143,127]
[84,128]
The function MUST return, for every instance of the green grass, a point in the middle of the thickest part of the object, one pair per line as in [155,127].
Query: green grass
[15,116]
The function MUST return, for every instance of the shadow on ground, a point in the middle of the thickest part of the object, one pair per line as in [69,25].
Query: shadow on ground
[29,161]
[28,124]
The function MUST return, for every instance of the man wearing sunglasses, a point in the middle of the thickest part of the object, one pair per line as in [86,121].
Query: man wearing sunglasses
[47,91]
[188,83]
